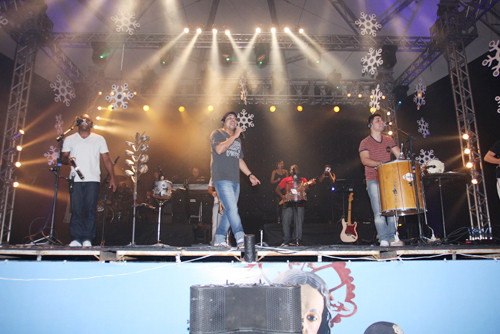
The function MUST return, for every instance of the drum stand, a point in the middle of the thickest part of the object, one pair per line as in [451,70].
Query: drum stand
[160,204]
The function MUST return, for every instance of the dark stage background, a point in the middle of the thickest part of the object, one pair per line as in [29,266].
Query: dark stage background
[311,138]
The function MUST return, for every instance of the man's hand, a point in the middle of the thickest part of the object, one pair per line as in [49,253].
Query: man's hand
[112,184]
[254,180]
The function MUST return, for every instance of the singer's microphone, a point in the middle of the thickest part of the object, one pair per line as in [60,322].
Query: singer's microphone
[78,121]
[242,135]
[77,170]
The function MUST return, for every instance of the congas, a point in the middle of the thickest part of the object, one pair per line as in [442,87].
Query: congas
[397,189]
[162,189]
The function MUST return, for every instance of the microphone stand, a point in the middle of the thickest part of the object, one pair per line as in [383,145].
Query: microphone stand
[60,139]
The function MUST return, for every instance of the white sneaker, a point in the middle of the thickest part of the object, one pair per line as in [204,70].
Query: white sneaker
[75,243]
[87,243]
[397,243]
[221,244]
[384,243]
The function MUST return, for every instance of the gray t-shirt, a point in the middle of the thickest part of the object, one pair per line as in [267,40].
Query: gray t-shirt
[225,166]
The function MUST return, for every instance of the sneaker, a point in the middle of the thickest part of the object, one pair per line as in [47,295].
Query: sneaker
[397,243]
[75,243]
[240,244]
[384,243]
[87,243]
[284,244]
[221,244]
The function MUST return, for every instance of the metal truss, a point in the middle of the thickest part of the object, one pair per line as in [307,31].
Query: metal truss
[24,64]
[450,33]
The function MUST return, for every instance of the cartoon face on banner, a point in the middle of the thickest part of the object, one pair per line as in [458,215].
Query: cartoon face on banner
[327,292]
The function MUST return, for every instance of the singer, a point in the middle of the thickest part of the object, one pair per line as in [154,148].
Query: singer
[84,149]
[375,150]
[227,161]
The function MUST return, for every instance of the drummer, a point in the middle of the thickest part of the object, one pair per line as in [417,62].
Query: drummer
[375,150]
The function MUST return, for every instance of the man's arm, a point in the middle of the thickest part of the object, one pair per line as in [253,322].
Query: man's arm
[110,168]
[396,151]
[279,192]
[491,158]
[244,168]
[224,146]
[65,158]
[366,161]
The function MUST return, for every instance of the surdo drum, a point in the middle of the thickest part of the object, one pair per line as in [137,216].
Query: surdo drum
[397,189]
[162,189]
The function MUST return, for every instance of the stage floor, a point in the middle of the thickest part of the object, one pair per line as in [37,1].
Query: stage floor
[206,253]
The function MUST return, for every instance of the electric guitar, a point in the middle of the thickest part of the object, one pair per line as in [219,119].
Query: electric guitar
[349,233]
[297,194]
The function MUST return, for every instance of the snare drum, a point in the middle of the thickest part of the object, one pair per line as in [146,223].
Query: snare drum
[162,189]
[397,189]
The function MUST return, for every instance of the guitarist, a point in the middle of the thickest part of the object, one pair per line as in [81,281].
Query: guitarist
[294,201]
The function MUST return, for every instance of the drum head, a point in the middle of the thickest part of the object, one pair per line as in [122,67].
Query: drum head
[434,166]
[162,188]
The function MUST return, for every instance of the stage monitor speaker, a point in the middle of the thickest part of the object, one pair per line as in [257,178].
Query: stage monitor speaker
[254,309]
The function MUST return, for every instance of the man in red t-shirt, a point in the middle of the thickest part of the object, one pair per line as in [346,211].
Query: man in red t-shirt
[375,150]
[294,201]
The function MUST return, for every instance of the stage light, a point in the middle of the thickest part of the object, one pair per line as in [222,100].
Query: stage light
[198,30]
[210,108]
[227,32]
[348,94]
[19,148]
[390,133]
[21,131]
[336,109]
[15,184]
[272,109]
[333,188]
[98,118]
[262,54]
[301,30]
[373,110]
[214,31]
[97,127]
[182,109]
[111,108]
[388,113]
[360,95]
[99,108]
[299,108]
[100,93]
[258,30]
[145,107]
[469,164]
[100,52]
[167,57]
[467,151]
[465,136]
[186,30]
[474,181]
[273,30]
[18,164]
[287,30]
[383,97]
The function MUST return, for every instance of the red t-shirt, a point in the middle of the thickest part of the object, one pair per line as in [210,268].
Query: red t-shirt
[378,151]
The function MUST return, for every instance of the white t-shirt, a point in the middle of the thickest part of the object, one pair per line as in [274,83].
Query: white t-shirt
[87,153]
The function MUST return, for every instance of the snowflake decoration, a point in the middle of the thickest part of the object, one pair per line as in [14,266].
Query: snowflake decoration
[59,124]
[63,90]
[419,97]
[494,46]
[368,24]
[376,96]
[243,89]
[423,127]
[3,20]
[118,96]
[125,22]
[497,98]
[52,155]
[245,120]
[372,61]
[425,157]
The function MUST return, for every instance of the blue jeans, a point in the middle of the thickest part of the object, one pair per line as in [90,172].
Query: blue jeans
[386,227]
[228,194]
[84,210]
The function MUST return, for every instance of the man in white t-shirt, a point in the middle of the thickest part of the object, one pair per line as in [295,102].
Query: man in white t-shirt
[83,151]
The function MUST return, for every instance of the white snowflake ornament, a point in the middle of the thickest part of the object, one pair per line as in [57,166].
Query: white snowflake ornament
[245,120]
[63,89]
[368,24]
[59,124]
[423,127]
[52,155]
[3,20]
[119,96]
[376,97]
[419,97]
[497,98]
[425,157]
[372,61]
[494,47]
[125,22]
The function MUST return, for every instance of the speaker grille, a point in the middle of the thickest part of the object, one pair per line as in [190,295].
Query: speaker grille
[255,309]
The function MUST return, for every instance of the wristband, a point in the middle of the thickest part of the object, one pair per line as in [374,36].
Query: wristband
[249,175]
